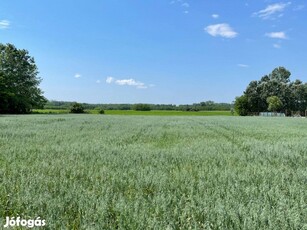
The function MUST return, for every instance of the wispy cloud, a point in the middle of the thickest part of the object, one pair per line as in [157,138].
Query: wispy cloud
[131,82]
[243,65]
[279,35]
[277,46]
[272,10]
[98,81]
[4,24]
[77,75]
[128,82]
[185,4]
[222,30]
[215,16]
[109,80]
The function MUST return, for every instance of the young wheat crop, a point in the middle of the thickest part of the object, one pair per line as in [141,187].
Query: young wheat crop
[151,172]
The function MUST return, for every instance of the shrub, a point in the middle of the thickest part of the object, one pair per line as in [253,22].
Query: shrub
[99,110]
[77,108]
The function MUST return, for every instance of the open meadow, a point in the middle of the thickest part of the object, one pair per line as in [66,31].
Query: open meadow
[154,172]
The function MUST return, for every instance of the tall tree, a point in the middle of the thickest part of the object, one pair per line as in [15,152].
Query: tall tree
[19,91]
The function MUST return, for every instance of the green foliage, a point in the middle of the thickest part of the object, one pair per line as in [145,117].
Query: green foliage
[275,103]
[101,111]
[19,92]
[77,108]
[292,95]
[141,107]
[127,172]
[241,105]
[202,106]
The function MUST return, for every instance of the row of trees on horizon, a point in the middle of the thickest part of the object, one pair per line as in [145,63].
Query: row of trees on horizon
[202,106]
[20,92]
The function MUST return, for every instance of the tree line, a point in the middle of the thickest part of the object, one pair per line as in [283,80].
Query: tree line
[20,92]
[273,92]
[202,106]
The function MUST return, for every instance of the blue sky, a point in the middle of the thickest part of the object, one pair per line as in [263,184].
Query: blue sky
[156,51]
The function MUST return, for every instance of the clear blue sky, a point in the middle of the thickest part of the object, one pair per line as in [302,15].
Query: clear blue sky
[156,51]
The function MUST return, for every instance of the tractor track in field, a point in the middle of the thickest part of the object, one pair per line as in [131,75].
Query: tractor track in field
[231,135]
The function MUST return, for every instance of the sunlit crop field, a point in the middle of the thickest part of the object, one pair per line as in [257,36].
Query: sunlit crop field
[154,172]
[142,113]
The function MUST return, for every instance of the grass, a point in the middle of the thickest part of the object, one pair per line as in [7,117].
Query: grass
[169,113]
[133,112]
[148,172]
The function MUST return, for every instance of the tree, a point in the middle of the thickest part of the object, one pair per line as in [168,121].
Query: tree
[241,105]
[19,92]
[292,95]
[275,103]
[253,93]
[141,107]
[77,108]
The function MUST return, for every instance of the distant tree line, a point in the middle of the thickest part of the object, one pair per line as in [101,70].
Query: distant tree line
[202,106]
[274,92]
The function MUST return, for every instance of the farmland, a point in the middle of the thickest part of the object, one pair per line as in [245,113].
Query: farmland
[154,172]
[143,113]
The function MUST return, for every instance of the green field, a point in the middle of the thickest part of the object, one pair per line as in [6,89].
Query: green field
[133,112]
[152,172]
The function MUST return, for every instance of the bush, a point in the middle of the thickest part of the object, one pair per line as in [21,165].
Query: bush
[141,107]
[99,110]
[77,108]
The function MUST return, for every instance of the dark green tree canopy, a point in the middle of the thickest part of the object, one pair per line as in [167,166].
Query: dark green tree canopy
[292,96]
[141,107]
[19,92]
[77,108]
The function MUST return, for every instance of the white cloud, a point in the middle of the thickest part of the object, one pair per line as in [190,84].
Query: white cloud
[4,24]
[277,46]
[215,16]
[109,80]
[243,65]
[187,5]
[280,35]
[98,81]
[223,30]
[77,75]
[271,10]
[129,82]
